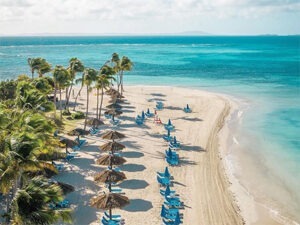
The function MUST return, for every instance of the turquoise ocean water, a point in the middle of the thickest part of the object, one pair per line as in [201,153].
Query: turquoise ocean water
[263,72]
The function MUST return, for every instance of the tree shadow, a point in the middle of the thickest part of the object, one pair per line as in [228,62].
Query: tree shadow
[192,148]
[134,184]
[189,119]
[132,154]
[131,144]
[158,94]
[130,167]
[173,108]
[138,205]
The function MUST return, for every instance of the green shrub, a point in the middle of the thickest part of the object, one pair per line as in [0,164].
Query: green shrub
[66,113]
[78,115]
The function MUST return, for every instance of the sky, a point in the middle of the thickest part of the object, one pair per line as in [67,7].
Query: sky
[227,17]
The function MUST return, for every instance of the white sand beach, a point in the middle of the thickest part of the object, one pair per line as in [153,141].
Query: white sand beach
[200,179]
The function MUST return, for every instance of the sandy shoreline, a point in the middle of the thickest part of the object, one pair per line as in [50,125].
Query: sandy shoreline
[200,179]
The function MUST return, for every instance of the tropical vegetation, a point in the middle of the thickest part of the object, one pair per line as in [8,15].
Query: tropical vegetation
[28,121]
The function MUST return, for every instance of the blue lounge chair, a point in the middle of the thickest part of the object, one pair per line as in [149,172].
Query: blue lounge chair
[94,131]
[117,190]
[81,142]
[175,143]
[167,191]
[169,126]
[148,113]
[106,214]
[143,115]
[173,202]
[109,222]
[107,116]
[63,204]
[163,181]
[169,214]
[159,106]
[187,109]
[166,173]
[69,157]
[176,220]
[114,122]
[172,161]
[171,154]
[167,137]
[59,167]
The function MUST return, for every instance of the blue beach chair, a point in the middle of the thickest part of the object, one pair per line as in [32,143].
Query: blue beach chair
[169,125]
[163,181]
[171,154]
[106,214]
[166,173]
[169,214]
[187,109]
[172,161]
[59,166]
[167,191]
[148,113]
[173,202]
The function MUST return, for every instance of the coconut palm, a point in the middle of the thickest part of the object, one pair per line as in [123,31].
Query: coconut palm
[40,65]
[81,81]
[75,66]
[61,78]
[31,205]
[90,76]
[102,82]
[125,65]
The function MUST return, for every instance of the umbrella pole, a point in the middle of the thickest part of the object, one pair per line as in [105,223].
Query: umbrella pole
[110,213]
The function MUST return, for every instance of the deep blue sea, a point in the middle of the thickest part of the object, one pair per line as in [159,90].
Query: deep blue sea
[263,72]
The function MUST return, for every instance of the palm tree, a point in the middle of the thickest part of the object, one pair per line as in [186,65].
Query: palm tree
[61,78]
[75,66]
[125,65]
[90,76]
[103,81]
[79,80]
[115,60]
[40,65]
[31,205]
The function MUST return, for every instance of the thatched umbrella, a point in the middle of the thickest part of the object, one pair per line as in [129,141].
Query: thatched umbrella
[109,160]
[113,135]
[109,176]
[69,143]
[109,201]
[114,106]
[78,132]
[95,122]
[112,146]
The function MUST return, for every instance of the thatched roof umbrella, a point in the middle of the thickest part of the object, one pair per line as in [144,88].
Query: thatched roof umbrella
[113,135]
[94,122]
[109,176]
[109,160]
[114,106]
[112,146]
[109,201]
[69,143]
[77,132]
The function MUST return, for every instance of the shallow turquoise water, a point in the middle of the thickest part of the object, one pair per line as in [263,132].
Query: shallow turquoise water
[263,71]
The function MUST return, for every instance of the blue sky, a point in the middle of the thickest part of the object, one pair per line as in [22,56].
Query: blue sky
[229,17]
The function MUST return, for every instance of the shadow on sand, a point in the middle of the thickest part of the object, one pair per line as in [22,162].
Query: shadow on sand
[130,167]
[138,205]
[132,154]
[133,184]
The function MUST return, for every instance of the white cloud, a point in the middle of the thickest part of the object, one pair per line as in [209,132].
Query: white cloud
[112,13]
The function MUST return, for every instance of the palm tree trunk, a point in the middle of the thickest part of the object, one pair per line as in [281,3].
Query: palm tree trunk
[110,213]
[54,99]
[32,74]
[87,106]
[77,97]
[67,91]
[60,105]
[121,82]
[68,99]
[97,107]
[101,103]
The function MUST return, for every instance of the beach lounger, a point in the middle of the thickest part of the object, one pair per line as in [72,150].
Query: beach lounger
[107,116]
[163,181]
[157,120]
[81,142]
[148,113]
[58,166]
[109,222]
[175,143]
[171,154]
[165,174]
[69,157]
[172,161]
[187,109]
[170,214]
[63,204]
[94,131]
[173,202]
[117,190]
[167,191]
[106,214]
[114,122]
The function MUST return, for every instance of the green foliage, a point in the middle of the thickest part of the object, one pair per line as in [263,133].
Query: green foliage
[8,90]
[66,113]
[31,205]
[77,115]
[61,77]
[43,85]
[39,65]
